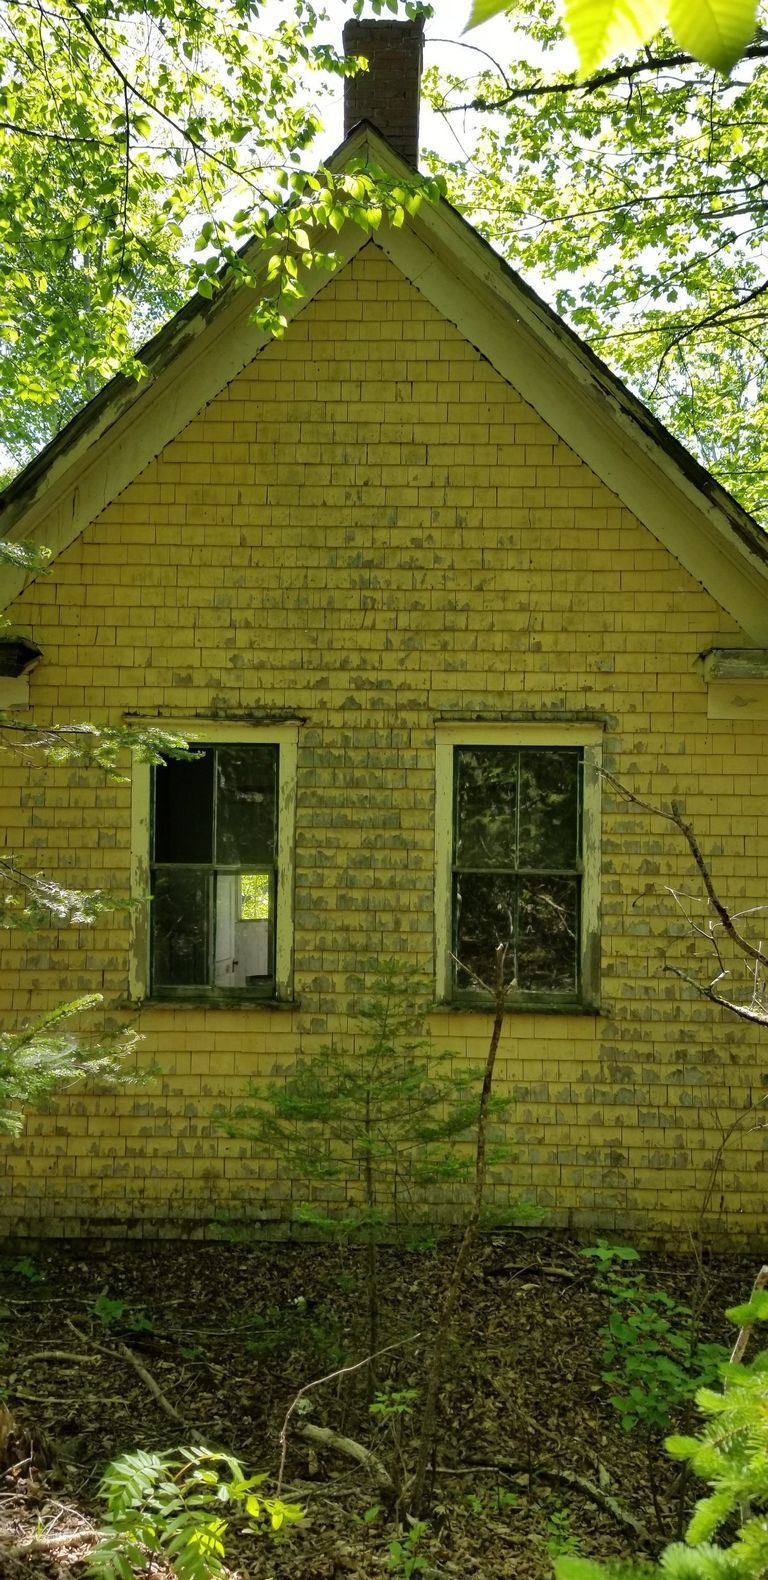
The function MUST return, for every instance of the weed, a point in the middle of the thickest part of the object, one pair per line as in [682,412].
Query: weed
[499,1501]
[606,1254]
[403,1556]
[113,1312]
[561,1540]
[172,1507]
[389,1402]
[652,1354]
[27,1268]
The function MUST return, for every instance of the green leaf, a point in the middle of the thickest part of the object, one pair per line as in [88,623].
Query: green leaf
[755,1310]
[681,1447]
[569,1568]
[601,29]
[714,31]
[483,10]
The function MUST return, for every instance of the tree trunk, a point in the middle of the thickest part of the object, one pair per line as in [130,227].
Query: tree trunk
[418,1496]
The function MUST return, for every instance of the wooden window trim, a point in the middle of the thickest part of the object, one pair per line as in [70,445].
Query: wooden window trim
[285,737]
[589,737]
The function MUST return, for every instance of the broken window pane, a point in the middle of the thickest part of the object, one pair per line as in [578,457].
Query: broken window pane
[246,804]
[242,940]
[180,928]
[183,821]
[486,803]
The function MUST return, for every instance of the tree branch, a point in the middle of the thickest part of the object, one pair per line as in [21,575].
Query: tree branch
[603,79]
[721,911]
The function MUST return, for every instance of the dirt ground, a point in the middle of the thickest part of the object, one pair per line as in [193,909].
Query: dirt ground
[532,1458]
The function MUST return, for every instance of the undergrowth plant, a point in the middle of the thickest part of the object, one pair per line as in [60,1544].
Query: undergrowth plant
[381,1115]
[403,1556]
[177,1507]
[653,1356]
[731,1455]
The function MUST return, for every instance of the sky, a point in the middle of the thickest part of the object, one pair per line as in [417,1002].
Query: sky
[445,45]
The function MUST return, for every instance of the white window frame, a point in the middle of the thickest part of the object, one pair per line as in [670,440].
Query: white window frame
[589,737]
[200,733]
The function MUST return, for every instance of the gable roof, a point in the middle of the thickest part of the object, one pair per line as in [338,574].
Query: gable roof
[208,343]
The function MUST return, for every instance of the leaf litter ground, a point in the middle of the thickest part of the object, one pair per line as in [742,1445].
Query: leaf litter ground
[226,1335]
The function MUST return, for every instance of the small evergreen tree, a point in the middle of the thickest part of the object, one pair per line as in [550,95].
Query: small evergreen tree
[384,1114]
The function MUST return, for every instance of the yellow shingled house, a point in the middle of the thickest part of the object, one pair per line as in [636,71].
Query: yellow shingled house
[410,575]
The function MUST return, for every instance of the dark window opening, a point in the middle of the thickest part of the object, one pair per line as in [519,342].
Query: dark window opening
[214,872]
[517,869]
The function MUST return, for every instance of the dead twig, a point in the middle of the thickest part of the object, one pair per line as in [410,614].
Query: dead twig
[154,1387]
[63,1355]
[341,1371]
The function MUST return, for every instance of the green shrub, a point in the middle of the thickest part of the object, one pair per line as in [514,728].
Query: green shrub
[177,1507]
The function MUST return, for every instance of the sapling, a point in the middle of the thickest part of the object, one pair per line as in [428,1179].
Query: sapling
[177,1508]
[384,1113]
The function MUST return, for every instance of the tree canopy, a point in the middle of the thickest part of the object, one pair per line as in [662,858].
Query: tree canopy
[140,145]
[637,199]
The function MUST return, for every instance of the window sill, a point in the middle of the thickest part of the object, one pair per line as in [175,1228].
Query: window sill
[208,1001]
[485,1007]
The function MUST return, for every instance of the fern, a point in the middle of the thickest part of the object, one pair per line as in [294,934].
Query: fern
[172,1506]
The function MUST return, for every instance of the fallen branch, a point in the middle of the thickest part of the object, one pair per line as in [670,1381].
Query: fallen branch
[341,1371]
[46,1544]
[327,1438]
[521,1476]
[63,1355]
[598,1495]
[154,1388]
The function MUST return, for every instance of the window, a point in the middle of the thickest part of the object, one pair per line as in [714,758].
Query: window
[516,863]
[213,848]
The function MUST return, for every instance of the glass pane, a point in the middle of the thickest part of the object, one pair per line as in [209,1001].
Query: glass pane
[486,800]
[547,935]
[254,896]
[244,917]
[484,915]
[246,804]
[183,824]
[180,929]
[549,809]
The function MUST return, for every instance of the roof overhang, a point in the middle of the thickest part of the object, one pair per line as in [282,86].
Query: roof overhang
[206,345]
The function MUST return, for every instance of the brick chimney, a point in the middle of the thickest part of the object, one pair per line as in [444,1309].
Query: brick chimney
[388,93]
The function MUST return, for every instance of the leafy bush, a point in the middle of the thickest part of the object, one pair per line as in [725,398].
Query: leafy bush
[173,1506]
[731,1454]
[653,1356]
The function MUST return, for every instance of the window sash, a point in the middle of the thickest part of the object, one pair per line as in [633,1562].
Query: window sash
[582,736]
[202,732]
[265,984]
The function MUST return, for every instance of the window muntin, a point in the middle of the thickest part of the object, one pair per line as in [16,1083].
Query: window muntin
[517,869]
[213,871]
